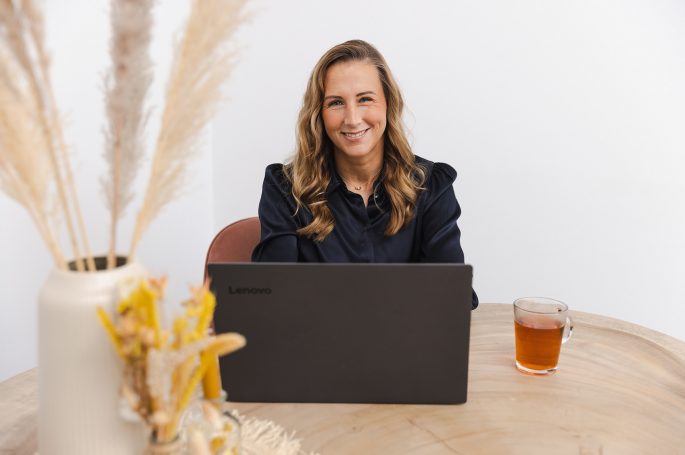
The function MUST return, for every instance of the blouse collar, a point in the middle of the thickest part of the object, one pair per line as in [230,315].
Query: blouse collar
[337,182]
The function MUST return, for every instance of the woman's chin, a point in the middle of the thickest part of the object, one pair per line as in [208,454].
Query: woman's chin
[356,151]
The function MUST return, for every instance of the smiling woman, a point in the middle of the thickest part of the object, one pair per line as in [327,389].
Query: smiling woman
[354,111]
[355,191]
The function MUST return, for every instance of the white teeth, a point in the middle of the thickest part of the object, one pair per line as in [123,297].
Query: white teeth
[355,135]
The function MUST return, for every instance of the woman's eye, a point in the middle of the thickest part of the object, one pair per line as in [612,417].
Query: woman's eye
[335,103]
[365,99]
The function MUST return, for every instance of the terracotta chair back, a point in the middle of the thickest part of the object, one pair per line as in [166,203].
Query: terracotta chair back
[235,242]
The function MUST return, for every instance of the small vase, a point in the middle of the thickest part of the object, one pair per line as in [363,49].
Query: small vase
[175,447]
[232,442]
[213,420]
[79,372]
[231,432]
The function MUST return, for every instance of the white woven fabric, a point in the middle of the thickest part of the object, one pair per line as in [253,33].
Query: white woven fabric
[264,437]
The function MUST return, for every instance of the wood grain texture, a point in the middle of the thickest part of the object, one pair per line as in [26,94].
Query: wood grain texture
[620,389]
[18,414]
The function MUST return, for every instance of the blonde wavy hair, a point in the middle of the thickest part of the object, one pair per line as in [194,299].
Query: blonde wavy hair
[309,172]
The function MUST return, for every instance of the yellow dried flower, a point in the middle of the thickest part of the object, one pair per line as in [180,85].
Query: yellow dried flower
[158,285]
[160,418]
[111,330]
[147,337]
[137,332]
[180,325]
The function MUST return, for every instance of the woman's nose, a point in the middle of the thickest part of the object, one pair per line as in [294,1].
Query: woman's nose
[352,116]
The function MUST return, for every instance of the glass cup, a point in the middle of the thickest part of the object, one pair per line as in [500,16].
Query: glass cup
[541,325]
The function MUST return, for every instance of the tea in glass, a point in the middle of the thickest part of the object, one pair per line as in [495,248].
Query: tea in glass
[541,326]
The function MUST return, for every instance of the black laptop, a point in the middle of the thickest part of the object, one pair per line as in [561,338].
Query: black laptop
[345,333]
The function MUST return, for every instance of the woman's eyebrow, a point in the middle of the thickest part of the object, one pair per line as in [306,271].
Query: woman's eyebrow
[368,92]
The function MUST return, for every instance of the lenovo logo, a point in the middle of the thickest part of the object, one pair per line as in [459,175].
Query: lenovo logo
[232,290]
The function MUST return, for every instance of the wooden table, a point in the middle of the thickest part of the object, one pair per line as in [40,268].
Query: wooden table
[620,389]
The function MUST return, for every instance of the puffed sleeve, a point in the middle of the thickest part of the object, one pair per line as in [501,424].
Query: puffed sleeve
[276,208]
[441,239]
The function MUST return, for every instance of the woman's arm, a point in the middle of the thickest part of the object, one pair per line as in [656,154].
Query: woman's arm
[441,240]
[441,237]
[276,208]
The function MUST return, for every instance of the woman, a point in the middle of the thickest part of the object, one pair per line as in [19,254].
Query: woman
[354,191]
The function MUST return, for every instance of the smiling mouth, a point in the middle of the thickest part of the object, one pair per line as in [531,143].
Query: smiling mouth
[356,135]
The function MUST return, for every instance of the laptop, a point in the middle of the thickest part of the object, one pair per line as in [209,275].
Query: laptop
[345,333]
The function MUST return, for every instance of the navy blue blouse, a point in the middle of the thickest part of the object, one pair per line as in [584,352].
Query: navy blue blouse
[431,236]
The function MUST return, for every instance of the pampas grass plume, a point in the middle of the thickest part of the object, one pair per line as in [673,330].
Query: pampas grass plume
[202,63]
[126,85]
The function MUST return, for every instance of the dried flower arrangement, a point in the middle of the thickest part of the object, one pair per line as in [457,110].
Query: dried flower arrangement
[35,167]
[163,368]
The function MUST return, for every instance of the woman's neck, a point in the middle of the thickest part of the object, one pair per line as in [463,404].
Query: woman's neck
[358,175]
[361,171]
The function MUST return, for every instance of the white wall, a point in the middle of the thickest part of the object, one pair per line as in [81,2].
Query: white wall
[564,120]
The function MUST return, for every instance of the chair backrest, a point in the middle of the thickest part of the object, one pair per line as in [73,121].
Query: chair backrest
[235,242]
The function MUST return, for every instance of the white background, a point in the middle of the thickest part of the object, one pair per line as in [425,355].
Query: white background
[565,121]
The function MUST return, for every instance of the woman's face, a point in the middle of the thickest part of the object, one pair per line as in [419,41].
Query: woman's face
[354,109]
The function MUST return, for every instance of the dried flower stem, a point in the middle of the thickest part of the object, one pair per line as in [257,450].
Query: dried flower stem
[48,235]
[62,196]
[12,19]
[15,186]
[24,172]
[127,86]
[111,331]
[201,64]
[38,37]
[115,211]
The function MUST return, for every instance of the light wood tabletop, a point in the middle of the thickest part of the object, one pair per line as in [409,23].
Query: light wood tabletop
[620,389]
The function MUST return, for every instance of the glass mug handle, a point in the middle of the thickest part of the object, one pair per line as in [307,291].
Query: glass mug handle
[568,330]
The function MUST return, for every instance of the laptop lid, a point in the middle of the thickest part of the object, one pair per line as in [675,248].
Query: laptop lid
[345,333]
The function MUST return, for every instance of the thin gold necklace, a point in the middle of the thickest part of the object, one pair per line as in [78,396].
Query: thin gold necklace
[358,188]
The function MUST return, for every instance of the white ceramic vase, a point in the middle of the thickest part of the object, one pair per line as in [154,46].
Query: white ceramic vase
[79,372]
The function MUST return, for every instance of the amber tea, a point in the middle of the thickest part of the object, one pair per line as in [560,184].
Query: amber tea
[541,326]
[537,346]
